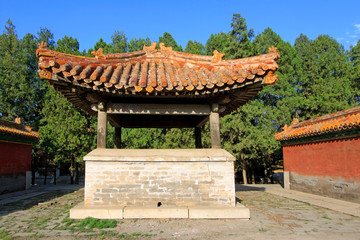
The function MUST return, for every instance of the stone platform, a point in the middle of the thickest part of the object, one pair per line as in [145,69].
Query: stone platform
[153,177]
[159,183]
[238,212]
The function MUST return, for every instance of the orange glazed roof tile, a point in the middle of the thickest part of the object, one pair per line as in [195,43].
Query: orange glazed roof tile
[335,122]
[17,130]
[160,76]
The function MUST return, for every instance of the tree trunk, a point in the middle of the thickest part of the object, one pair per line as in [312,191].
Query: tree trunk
[54,172]
[72,172]
[244,176]
[253,177]
[266,174]
[45,176]
[76,173]
[243,169]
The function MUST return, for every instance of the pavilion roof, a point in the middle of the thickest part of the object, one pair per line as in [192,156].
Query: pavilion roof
[332,123]
[16,131]
[155,72]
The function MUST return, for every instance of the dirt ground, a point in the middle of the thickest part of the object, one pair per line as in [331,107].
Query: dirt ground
[272,217]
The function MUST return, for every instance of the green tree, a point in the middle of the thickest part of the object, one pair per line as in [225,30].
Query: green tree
[45,35]
[169,41]
[354,56]
[119,42]
[107,48]
[18,82]
[195,47]
[324,78]
[240,39]
[138,44]
[219,42]
[282,97]
[68,45]
[66,134]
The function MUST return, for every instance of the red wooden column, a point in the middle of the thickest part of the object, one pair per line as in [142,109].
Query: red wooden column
[215,126]
[101,125]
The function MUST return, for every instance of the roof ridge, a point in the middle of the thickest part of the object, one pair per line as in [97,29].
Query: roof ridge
[12,128]
[331,116]
[334,122]
[12,124]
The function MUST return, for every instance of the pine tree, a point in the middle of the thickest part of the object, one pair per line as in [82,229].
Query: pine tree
[68,45]
[219,42]
[169,41]
[324,78]
[138,44]
[195,47]
[119,42]
[240,39]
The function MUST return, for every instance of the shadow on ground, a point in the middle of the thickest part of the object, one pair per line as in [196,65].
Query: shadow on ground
[24,200]
[241,187]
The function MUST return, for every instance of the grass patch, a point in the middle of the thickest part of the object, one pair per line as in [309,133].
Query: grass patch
[96,223]
[326,217]
[111,234]
[4,235]
[86,225]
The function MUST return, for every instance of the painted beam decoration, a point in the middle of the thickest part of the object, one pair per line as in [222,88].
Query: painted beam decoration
[160,74]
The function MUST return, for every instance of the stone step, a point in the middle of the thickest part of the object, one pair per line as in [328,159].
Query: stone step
[143,212]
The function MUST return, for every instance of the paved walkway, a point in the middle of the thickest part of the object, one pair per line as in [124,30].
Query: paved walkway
[325,202]
[35,191]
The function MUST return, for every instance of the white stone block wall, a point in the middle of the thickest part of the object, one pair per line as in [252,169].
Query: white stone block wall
[168,179]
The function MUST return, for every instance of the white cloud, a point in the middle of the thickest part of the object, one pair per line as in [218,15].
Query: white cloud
[357,26]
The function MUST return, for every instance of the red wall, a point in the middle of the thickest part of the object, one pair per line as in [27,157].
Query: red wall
[14,158]
[337,158]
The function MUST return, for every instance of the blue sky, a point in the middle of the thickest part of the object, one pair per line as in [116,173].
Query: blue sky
[185,20]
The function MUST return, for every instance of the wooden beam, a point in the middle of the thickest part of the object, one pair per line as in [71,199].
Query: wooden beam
[157,109]
[215,126]
[114,120]
[198,142]
[101,129]
[117,138]
[202,123]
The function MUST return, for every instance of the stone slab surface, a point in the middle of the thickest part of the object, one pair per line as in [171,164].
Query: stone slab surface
[238,212]
[18,196]
[156,212]
[81,212]
[159,155]
[321,201]
[325,202]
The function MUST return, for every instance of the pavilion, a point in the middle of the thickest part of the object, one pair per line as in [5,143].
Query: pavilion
[158,88]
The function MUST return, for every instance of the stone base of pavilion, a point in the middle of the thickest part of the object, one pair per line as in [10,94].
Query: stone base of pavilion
[133,212]
[159,183]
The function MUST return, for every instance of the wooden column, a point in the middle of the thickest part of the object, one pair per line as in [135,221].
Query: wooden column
[101,126]
[215,126]
[117,138]
[198,142]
